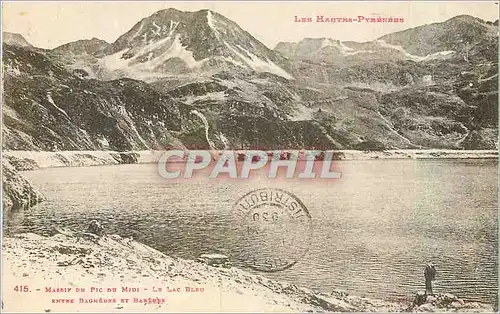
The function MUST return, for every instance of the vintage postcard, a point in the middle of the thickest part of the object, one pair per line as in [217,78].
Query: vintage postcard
[249,156]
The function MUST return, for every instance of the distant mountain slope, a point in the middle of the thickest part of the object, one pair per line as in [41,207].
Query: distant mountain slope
[460,34]
[15,39]
[94,46]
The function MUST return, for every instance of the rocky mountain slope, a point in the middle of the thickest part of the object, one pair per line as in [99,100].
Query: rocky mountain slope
[196,79]
[15,39]
[17,192]
[49,108]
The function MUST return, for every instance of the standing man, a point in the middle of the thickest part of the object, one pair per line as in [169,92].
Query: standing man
[430,275]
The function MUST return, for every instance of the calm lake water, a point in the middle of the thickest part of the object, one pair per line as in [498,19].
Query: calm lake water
[373,230]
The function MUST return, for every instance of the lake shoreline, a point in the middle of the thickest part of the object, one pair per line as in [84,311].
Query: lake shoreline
[19,194]
[43,263]
[32,160]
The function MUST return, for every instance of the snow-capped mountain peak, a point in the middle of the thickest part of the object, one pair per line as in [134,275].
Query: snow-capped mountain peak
[176,42]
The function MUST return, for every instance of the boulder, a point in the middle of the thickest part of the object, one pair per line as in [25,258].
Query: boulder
[420,298]
[444,302]
[216,260]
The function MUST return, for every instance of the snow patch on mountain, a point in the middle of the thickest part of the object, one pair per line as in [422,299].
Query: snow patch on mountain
[131,124]
[231,60]
[409,56]
[302,113]
[51,101]
[481,80]
[440,54]
[205,124]
[224,140]
[153,46]
[352,53]
[257,64]
[173,26]
[211,23]
[328,42]
[214,96]
[177,50]
[103,142]
[116,61]
[140,29]
[157,31]
[146,70]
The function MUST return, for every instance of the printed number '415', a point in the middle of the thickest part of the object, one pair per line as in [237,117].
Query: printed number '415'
[21,289]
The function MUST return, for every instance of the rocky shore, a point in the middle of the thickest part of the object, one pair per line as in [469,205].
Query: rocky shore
[18,193]
[109,273]
[31,160]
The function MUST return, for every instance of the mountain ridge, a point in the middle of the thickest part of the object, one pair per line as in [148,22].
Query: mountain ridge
[345,95]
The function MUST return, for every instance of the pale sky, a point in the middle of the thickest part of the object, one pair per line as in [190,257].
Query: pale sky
[50,24]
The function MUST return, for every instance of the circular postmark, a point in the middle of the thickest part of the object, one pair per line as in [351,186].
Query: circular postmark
[274,229]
